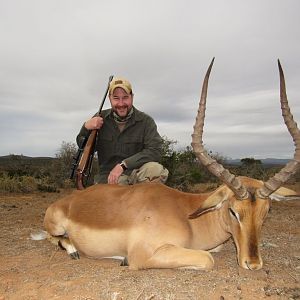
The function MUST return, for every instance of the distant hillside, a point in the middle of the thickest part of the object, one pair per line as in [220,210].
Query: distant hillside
[16,156]
[7,159]
[22,159]
[265,161]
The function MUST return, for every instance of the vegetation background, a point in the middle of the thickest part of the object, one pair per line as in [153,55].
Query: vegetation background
[24,174]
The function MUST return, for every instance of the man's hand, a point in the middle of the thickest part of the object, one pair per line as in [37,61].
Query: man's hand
[94,123]
[114,174]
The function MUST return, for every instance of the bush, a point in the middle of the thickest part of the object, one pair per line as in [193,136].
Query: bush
[16,184]
[9,184]
[28,184]
[184,168]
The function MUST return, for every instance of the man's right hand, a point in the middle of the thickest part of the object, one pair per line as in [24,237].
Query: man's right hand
[94,123]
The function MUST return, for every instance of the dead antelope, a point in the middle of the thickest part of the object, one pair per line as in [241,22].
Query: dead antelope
[155,226]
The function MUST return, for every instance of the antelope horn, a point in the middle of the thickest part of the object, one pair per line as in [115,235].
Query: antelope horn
[211,164]
[292,166]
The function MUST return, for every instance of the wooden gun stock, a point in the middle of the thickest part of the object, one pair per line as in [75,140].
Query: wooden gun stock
[86,160]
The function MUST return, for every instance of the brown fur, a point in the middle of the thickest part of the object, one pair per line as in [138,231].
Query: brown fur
[150,225]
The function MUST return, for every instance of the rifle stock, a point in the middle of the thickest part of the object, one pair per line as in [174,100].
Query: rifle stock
[86,160]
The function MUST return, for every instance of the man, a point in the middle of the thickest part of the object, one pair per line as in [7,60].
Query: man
[128,144]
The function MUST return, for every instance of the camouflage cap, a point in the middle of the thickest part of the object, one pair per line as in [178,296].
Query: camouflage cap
[122,83]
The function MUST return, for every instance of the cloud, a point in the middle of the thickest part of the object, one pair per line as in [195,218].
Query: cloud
[56,57]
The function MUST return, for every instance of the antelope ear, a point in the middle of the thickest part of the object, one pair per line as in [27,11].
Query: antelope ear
[284,194]
[213,202]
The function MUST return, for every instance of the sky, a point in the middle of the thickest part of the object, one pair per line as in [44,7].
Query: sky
[56,57]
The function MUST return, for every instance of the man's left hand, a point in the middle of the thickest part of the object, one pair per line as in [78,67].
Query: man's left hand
[114,174]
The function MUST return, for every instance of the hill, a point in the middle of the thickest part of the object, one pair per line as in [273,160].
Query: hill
[8,159]
[265,161]
[12,159]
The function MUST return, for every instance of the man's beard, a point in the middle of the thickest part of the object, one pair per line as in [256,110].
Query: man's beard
[122,118]
[123,109]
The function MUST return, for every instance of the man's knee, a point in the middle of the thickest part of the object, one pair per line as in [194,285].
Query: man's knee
[151,172]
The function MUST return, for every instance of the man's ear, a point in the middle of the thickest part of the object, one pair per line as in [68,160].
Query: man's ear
[213,202]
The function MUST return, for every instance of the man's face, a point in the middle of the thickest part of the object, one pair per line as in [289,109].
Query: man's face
[121,102]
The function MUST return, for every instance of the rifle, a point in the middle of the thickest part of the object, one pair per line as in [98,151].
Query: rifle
[84,157]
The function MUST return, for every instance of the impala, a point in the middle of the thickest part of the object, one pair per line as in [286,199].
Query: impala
[155,226]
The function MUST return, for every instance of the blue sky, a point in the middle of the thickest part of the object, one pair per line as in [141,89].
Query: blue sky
[56,57]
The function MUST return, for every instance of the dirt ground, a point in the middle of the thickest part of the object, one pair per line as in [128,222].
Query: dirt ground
[38,270]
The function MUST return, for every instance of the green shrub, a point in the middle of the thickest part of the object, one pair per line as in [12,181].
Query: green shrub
[25,184]
[9,184]
[16,184]
[22,174]
[28,184]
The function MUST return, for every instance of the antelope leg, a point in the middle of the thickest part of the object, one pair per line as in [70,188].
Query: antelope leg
[171,256]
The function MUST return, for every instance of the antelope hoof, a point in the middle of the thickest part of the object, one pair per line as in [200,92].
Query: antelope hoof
[124,262]
[74,255]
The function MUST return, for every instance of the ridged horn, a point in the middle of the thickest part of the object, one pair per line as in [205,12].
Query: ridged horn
[211,164]
[292,166]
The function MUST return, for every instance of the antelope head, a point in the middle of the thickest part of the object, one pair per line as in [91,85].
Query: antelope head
[244,201]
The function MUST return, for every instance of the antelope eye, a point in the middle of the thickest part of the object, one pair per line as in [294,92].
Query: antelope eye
[233,214]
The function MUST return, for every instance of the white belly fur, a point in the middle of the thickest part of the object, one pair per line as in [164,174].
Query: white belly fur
[98,243]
